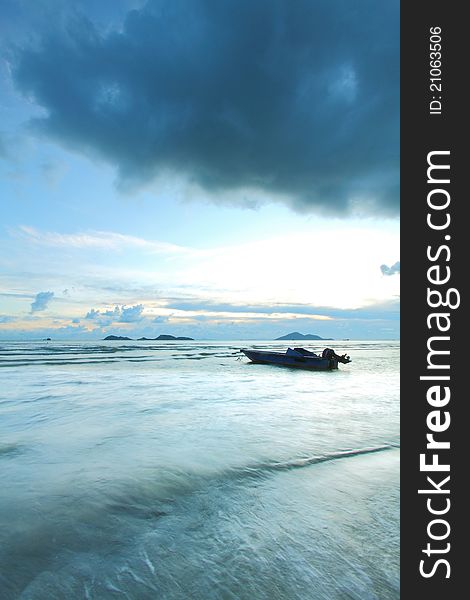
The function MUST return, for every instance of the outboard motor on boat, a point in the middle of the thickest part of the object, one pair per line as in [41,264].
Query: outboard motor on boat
[330,354]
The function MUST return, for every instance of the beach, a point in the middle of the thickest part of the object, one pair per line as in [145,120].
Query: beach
[179,470]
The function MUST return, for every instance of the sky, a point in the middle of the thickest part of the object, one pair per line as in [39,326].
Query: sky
[216,169]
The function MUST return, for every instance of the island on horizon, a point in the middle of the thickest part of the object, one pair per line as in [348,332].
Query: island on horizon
[160,337]
[295,335]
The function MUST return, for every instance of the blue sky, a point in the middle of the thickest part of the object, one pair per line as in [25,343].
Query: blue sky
[212,169]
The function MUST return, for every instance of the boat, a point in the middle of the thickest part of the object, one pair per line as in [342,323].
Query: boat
[299,358]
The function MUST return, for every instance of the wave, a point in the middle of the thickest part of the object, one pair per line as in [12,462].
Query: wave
[313,460]
[154,501]
[10,450]
[87,358]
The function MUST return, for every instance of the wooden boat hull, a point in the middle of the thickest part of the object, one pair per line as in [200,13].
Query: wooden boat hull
[313,363]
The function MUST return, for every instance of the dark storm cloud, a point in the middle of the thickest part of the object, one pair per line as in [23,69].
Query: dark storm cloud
[298,99]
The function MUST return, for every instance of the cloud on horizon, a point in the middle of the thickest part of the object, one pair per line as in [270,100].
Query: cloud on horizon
[205,319]
[376,310]
[41,301]
[120,314]
[299,100]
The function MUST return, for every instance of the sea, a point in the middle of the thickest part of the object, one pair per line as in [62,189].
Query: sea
[181,471]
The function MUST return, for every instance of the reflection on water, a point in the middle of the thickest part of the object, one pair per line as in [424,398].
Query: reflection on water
[180,470]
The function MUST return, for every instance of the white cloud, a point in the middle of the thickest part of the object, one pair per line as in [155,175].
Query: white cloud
[131,314]
[334,266]
[120,314]
[100,240]
[393,270]
[7,319]
[41,301]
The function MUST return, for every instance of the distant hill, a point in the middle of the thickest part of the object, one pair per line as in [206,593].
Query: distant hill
[295,335]
[116,337]
[165,337]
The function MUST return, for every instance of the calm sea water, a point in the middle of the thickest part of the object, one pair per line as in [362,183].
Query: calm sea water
[150,470]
